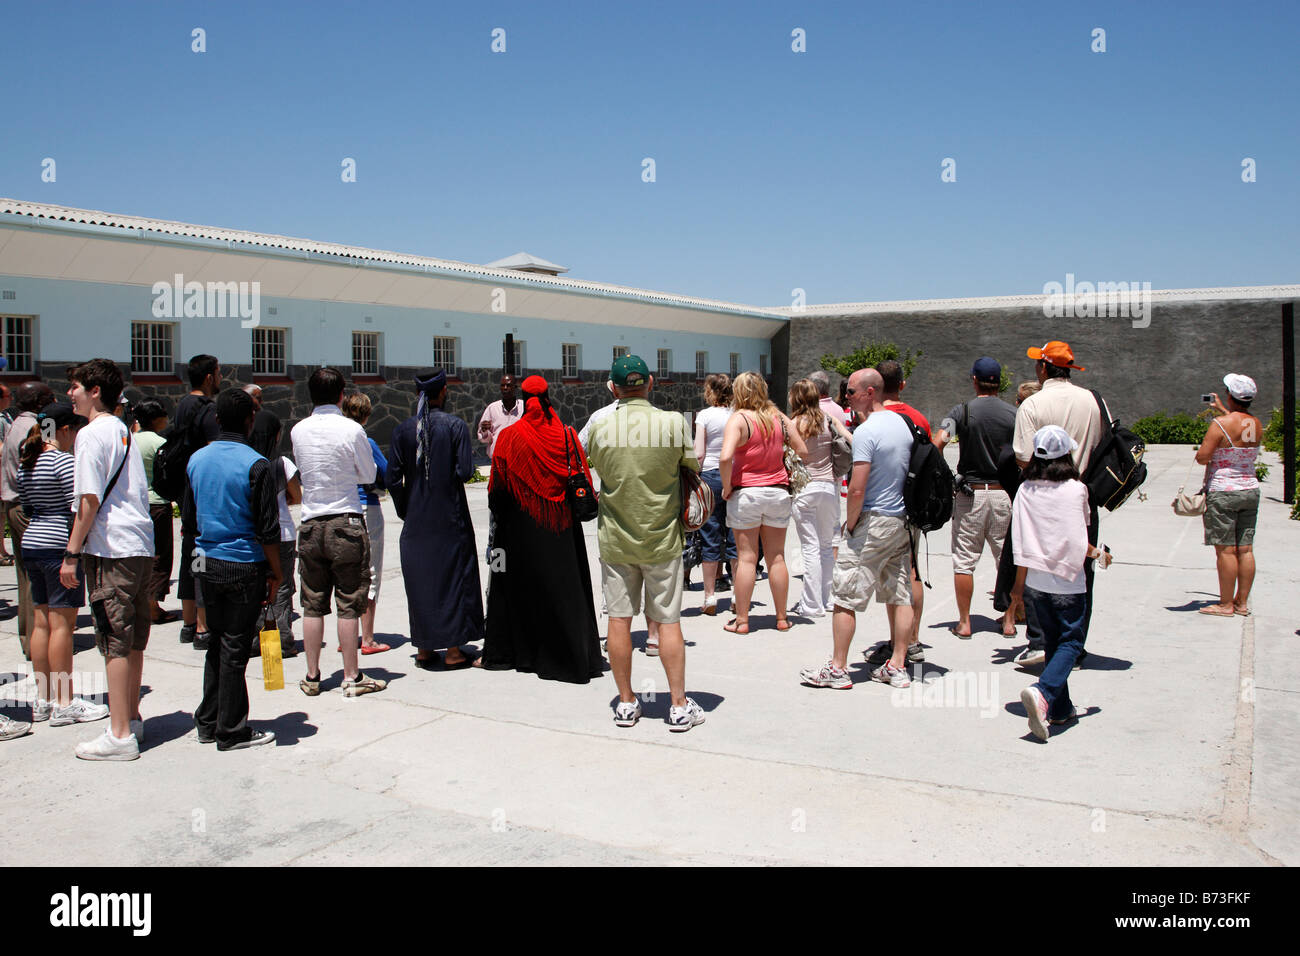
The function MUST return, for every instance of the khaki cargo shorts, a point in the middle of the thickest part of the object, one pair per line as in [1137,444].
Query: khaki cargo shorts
[120,602]
[662,583]
[976,520]
[874,561]
[1230,517]
[334,558]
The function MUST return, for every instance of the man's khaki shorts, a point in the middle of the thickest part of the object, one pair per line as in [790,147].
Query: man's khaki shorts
[874,561]
[662,583]
[976,520]
[334,557]
[120,602]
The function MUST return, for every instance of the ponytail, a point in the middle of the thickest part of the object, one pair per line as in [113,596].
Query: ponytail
[31,448]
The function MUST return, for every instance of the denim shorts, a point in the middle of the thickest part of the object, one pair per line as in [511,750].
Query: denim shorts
[719,542]
[43,572]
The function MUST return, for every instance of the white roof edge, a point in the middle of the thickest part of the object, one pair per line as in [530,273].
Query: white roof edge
[1033,301]
[92,217]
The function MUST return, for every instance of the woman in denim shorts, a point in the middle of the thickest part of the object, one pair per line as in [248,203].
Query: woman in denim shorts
[719,543]
[1228,452]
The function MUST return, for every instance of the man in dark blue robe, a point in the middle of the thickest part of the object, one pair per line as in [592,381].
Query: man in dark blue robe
[430,462]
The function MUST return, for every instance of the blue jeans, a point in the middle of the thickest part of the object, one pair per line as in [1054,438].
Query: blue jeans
[717,537]
[1062,618]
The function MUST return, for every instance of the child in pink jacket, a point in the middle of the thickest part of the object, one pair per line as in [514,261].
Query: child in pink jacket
[1049,528]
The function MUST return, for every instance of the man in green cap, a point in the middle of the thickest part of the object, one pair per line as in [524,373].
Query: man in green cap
[638,451]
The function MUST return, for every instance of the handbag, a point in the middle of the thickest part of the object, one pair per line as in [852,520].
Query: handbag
[577,490]
[272,662]
[1189,506]
[795,469]
[697,500]
[841,452]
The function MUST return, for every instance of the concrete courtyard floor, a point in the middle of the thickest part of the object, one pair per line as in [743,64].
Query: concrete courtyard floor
[1188,753]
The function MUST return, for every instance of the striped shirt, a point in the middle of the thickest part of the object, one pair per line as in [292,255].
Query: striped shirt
[46,494]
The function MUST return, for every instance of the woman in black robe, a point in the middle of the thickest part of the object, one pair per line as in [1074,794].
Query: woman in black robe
[541,616]
[430,462]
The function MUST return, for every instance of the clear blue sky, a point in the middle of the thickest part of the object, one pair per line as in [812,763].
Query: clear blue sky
[775,169]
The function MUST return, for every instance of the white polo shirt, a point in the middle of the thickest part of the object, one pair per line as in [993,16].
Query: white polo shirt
[333,457]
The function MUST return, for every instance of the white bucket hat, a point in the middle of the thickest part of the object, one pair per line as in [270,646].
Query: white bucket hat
[1240,387]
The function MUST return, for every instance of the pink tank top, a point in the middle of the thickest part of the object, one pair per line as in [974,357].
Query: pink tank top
[760,462]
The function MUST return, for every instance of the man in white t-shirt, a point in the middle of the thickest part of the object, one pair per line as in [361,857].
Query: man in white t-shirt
[113,535]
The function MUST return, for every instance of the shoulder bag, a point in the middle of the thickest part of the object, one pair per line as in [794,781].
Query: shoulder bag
[795,469]
[577,491]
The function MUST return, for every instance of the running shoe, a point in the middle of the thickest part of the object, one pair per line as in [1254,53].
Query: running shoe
[682,719]
[10,729]
[80,711]
[1036,708]
[41,710]
[828,675]
[108,747]
[627,713]
[886,673]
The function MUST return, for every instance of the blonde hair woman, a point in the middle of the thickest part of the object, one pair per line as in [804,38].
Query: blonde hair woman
[816,508]
[719,543]
[757,491]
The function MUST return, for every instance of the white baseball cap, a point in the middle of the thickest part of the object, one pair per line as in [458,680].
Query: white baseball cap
[1240,387]
[1053,441]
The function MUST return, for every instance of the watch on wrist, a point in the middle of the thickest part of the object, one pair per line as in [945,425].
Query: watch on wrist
[71,555]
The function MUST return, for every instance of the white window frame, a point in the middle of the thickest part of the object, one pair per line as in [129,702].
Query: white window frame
[664,365]
[270,356]
[452,368]
[701,365]
[519,356]
[621,351]
[154,362]
[19,330]
[570,359]
[735,364]
[363,342]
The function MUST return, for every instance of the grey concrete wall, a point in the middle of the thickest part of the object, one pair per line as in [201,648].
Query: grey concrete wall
[1186,350]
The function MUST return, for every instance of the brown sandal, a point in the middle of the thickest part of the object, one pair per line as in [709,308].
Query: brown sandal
[734,626]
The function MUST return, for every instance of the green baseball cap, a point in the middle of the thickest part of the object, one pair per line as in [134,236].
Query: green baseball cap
[630,371]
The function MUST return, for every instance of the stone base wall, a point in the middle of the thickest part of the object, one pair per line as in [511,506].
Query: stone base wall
[393,397]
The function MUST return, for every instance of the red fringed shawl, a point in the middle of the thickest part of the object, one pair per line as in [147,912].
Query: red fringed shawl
[529,463]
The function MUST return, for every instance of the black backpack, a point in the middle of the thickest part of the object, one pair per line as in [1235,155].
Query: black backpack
[929,488]
[173,457]
[1116,468]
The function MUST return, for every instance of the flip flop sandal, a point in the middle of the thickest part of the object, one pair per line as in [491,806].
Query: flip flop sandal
[1213,613]
[1244,612]
[374,648]
[966,637]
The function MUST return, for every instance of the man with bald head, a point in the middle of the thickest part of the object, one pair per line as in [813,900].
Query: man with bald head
[500,414]
[875,558]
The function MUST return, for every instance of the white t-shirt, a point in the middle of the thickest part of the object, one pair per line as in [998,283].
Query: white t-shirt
[122,528]
[287,530]
[714,421]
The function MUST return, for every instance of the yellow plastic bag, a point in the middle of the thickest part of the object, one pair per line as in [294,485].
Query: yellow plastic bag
[272,664]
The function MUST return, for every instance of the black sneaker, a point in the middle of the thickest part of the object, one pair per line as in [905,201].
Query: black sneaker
[723,584]
[259,738]
[187,633]
[202,639]
[203,738]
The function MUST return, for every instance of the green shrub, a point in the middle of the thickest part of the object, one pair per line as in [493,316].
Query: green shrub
[1165,429]
[1273,433]
[1261,470]
[869,355]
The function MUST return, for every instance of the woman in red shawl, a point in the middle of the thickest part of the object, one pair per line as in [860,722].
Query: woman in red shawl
[541,618]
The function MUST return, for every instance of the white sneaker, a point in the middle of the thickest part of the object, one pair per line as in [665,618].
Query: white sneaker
[108,747]
[681,719]
[10,729]
[41,710]
[80,711]
[626,714]
[651,648]
[887,674]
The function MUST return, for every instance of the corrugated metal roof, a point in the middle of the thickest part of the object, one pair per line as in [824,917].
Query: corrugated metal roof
[358,255]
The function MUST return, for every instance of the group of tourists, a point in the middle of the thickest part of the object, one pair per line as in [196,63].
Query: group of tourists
[92,522]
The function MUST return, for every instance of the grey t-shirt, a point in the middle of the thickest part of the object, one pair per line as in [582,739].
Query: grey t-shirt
[984,426]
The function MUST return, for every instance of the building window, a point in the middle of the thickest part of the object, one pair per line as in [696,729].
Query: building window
[365,353]
[620,351]
[569,358]
[18,342]
[665,364]
[151,348]
[269,351]
[444,354]
[518,366]
[762,365]
[701,365]
[735,364]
